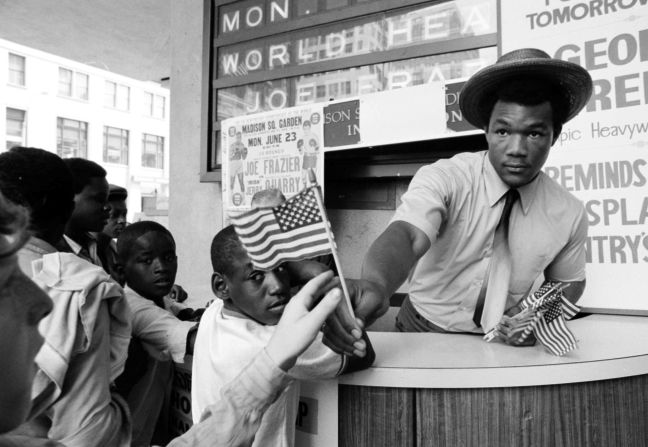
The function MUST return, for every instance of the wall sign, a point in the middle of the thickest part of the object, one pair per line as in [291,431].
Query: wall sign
[270,150]
[601,155]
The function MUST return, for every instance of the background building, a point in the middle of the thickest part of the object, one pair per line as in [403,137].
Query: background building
[77,110]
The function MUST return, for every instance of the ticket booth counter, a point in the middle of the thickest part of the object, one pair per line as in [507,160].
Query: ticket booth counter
[457,390]
[452,390]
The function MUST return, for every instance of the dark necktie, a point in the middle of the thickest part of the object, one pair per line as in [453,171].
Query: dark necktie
[501,256]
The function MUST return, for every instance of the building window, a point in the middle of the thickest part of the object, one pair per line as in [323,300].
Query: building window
[71,138]
[115,145]
[153,151]
[117,96]
[15,128]
[73,84]
[16,69]
[155,105]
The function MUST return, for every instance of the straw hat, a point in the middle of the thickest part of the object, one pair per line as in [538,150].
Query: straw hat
[573,79]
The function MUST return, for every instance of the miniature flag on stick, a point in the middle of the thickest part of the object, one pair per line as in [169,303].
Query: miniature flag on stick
[543,313]
[295,230]
[551,329]
[292,231]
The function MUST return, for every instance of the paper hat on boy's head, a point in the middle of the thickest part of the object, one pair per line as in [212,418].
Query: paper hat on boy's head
[116,192]
[571,79]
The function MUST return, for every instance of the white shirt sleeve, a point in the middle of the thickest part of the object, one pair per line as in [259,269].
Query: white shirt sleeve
[161,333]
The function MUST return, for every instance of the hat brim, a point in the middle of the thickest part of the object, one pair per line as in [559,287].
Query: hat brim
[573,79]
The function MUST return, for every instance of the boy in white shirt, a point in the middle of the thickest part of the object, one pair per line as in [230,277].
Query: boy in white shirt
[238,326]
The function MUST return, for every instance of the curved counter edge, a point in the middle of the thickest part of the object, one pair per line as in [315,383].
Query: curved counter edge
[498,377]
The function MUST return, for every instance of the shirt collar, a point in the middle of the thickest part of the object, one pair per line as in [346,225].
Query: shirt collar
[496,188]
[76,248]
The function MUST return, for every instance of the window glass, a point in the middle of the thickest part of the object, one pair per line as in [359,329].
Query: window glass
[155,105]
[117,96]
[72,138]
[110,94]
[81,86]
[148,104]
[159,106]
[16,69]
[65,82]
[72,84]
[250,14]
[115,145]
[16,129]
[341,84]
[123,97]
[152,151]
[335,4]
[306,7]
[378,32]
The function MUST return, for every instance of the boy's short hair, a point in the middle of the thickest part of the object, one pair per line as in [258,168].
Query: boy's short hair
[116,193]
[267,197]
[223,249]
[135,230]
[38,180]
[82,171]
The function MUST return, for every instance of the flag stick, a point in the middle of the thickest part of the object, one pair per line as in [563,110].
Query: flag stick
[312,181]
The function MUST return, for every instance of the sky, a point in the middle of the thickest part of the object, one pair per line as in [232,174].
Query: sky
[129,37]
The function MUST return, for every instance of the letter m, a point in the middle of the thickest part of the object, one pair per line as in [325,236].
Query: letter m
[231,23]
[561,15]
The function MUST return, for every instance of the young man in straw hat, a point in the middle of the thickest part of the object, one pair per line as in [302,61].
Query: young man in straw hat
[443,236]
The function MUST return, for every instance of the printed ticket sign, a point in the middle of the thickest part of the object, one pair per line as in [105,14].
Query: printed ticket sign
[601,156]
[270,150]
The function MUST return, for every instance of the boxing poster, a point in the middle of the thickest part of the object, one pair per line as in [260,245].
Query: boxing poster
[270,150]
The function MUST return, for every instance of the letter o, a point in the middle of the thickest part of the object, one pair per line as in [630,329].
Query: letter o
[259,18]
[283,98]
[575,16]
[631,49]
[540,20]
[253,60]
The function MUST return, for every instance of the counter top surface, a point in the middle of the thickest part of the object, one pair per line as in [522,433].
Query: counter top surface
[609,346]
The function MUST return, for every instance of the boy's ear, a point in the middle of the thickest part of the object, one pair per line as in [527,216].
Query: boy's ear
[219,286]
[118,272]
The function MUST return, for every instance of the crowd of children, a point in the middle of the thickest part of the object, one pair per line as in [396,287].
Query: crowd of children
[112,331]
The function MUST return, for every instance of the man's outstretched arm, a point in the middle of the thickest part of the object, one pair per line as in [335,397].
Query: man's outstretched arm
[386,266]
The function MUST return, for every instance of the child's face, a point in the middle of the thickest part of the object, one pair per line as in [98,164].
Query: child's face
[91,206]
[151,266]
[260,295]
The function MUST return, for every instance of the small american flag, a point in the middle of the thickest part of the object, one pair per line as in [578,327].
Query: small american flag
[547,292]
[292,231]
[544,313]
[551,329]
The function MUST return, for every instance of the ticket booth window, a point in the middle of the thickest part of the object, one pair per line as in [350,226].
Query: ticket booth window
[283,53]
